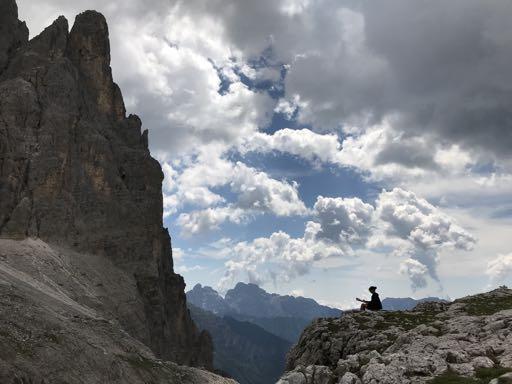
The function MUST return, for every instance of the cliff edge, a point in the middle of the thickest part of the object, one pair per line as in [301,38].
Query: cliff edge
[81,196]
[466,341]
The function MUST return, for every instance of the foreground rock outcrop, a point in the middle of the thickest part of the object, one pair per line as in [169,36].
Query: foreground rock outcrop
[76,174]
[447,342]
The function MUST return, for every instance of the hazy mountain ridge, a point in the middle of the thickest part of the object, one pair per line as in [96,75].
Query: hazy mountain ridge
[284,316]
[406,303]
[252,329]
[243,350]
[252,301]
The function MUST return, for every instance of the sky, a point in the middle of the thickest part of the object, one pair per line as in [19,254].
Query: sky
[316,147]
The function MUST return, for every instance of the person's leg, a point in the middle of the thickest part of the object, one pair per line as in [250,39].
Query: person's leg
[363,306]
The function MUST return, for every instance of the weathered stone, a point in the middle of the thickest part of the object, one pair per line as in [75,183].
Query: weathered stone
[13,33]
[482,362]
[503,379]
[349,378]
[412,346]
[58,310]
[77,173]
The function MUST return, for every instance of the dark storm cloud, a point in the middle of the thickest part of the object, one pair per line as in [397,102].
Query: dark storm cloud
[437,67]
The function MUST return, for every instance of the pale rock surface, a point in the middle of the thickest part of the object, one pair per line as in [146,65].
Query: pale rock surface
[463,337]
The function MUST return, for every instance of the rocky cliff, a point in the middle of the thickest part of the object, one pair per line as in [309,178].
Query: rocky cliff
[467,341]
[76,173]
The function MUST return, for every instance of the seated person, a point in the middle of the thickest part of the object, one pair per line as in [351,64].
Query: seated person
[374,304]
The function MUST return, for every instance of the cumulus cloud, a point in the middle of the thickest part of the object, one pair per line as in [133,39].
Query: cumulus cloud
[278,258]
[407,216]
[499,269]
[255,192]
[303,143]
[209,219]
[347,62]
[401,224]
[424,228]
[416,271]
[178,66]
[344,221]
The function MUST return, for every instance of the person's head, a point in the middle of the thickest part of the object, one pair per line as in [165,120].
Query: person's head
[372,289]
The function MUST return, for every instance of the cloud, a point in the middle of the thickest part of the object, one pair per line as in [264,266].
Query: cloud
[344,221]
[297,293]
[178,66]
[416,271]
[303,143]
[407,216]
[499,269]
[278,258]
[254,193]
[209,219]
[185,269]
[424,228]
[401,225]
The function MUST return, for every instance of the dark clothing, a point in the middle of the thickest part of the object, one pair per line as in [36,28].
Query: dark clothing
[374,304]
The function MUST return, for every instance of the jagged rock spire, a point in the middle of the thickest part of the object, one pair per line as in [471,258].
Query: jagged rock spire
[75,172]
[89,50]
[13,33]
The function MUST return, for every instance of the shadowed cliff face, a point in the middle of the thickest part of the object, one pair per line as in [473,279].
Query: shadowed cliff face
[76,172]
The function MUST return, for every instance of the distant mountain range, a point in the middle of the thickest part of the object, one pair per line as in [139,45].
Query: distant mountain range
[405,303]
[243,350]
[253,301]
[252,329]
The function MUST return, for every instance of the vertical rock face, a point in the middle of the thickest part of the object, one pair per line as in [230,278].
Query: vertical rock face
[13,33]
[75,171]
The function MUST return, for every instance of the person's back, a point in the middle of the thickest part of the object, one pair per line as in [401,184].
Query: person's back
[375,303]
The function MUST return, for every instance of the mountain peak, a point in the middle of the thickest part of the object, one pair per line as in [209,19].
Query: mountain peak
[13,32]
[89,50]
[77,174]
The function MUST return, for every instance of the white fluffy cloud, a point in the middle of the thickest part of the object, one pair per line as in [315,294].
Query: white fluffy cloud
[278,258]
[255,193]
[424,230]
[401,223]
[209,219]
[344,221]
[407,216]
[500,269]
[416,272]
[378,152]
[303,143]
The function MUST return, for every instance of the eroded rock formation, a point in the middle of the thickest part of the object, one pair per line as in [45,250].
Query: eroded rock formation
[76,172]
[455,342]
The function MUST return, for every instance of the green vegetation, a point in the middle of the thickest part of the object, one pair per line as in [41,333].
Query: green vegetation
[481,306]
[485,375]
[401,319]
[482,376]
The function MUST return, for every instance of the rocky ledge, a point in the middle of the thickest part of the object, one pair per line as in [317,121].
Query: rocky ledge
[466,341]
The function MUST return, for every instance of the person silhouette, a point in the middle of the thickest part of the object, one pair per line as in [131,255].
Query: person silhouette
[374,304]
